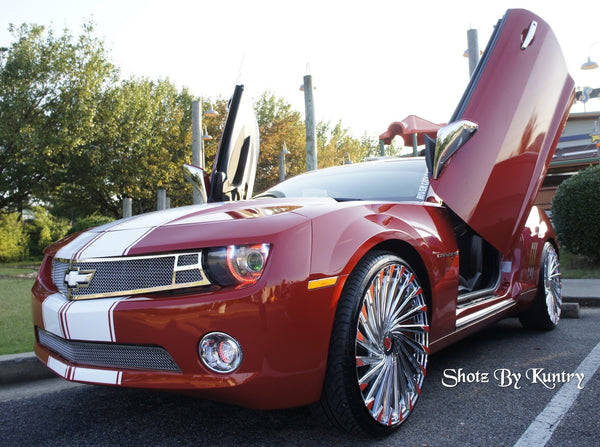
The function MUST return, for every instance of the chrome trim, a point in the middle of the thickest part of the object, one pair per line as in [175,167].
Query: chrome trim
[392,344]
[477,295]
[552,284]
[449,139]
[130,275]
[483,313]
[195,176]
[530,35]
[78,279]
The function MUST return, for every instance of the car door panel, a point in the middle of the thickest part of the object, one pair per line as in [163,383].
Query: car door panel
[518,100]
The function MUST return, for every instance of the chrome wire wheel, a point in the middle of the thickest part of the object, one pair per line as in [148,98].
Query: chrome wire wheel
[552,283]
[378,347]
[392,344]
[544,313]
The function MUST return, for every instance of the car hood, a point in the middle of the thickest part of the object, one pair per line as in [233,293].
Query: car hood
[188,227]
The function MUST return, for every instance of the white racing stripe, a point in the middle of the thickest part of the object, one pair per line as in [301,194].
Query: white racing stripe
[541,429]
[112,243]
[117,238]
[51,312]
[80,374]
[86,320]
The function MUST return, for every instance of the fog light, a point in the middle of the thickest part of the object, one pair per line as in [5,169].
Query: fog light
[220,352]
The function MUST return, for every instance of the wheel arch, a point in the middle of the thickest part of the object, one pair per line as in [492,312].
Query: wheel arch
[407,252]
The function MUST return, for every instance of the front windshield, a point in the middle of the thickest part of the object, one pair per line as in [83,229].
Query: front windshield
[396,180]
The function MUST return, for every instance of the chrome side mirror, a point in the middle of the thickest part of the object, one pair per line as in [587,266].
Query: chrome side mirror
[195,176]
[449,139]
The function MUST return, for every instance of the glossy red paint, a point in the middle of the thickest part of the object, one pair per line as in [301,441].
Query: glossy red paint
[283,326]
[520,108]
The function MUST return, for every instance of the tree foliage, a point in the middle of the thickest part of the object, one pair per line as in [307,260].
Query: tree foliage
[43,230]
[279,125]
[49,90]
[14,238]
[140,141]
[78,139]
[93,220]
[336,146]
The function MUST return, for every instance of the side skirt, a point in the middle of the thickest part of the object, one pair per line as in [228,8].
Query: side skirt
[476,316]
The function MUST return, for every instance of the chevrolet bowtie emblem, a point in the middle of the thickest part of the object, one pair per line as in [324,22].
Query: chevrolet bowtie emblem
[77,279]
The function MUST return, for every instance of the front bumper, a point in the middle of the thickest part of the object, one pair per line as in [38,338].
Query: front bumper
[152,342]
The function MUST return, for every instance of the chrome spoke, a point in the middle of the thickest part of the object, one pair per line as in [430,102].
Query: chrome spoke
[552,285]
[392,344]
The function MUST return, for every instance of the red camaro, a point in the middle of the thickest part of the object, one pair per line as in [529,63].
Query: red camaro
[335,285]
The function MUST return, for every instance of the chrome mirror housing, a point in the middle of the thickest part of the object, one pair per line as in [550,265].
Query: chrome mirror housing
[195,176]
[449,139]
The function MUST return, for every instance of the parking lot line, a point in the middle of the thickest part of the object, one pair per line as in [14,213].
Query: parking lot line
[541,429]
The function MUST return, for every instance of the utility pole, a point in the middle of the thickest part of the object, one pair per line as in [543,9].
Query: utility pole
[311,127]
[127,207]
[197,143]
[282,155]
[161,199]
[473,49]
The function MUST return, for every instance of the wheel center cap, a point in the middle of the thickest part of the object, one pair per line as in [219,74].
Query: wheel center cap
[387,344]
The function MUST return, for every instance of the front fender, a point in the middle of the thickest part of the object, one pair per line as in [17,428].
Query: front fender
[342,238]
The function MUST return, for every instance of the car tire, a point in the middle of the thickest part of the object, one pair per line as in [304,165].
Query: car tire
[545,311]
[379,348]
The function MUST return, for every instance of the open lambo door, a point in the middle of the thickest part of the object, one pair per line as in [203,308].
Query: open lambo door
[234,169]
[490,161]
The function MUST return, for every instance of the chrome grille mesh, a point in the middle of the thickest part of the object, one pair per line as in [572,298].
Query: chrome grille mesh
[109,355]
[105,277]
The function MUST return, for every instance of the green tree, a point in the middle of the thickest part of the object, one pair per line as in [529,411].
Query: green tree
[13,242]
[336,146]
[44,229]
[140,140]
[278,124]
[49,90]
[76,138]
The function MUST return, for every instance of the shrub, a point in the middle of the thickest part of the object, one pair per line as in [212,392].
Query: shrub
[576,213]
[13,243]
[90,221]
[44,229]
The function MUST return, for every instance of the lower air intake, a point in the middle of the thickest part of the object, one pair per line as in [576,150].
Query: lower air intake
[109,355]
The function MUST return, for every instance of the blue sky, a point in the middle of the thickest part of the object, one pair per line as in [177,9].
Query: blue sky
[372,62]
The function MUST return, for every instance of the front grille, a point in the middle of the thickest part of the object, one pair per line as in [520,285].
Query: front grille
[109,355]
[105,277]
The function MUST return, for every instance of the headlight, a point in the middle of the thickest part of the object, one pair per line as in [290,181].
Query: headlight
[237,264]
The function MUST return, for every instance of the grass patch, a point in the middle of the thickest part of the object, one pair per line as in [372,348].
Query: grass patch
[577,267]
[16,327]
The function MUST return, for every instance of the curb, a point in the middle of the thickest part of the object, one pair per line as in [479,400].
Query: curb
[18,368]
[26,367]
